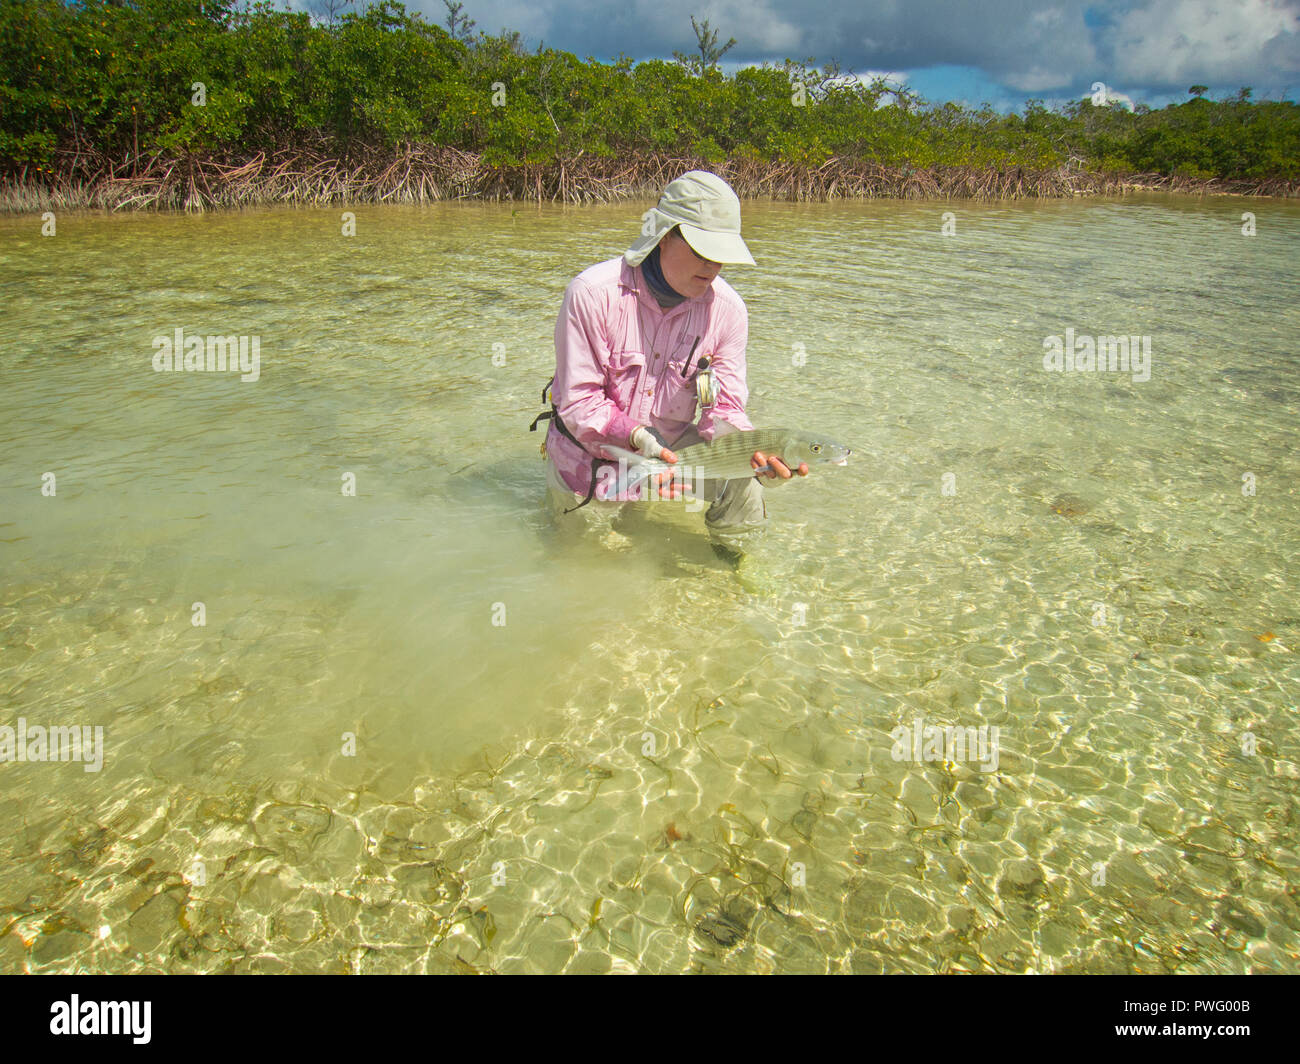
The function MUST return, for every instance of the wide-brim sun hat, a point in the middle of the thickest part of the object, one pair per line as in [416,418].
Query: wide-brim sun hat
[706,211]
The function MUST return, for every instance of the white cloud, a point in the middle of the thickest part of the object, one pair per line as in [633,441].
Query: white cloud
[763,27]
[1220,41]
[1048,48]
[1038,78]
[892,76]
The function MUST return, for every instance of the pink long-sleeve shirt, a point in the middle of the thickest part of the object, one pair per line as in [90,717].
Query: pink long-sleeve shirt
[618,364]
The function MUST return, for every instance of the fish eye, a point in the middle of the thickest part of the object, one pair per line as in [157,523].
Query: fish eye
[816,448]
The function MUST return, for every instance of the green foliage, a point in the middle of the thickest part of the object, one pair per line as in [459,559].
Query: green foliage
[110,82]
[458,25]
[706,41]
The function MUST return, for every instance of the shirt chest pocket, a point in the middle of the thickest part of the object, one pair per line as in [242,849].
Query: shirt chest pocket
[675,396]
[623,376]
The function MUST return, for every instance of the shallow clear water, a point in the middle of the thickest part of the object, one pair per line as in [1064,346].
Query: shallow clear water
[655,764]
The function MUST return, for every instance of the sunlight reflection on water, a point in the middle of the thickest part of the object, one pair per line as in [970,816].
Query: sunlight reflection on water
[653,764]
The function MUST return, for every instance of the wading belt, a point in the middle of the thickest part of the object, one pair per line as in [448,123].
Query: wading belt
[596,463]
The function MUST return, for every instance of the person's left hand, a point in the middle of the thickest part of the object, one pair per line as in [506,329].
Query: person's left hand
[779,468]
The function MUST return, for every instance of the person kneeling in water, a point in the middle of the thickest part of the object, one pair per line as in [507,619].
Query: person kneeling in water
[645,339]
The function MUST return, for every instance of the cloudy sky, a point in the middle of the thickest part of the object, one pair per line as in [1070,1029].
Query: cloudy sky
[972,51]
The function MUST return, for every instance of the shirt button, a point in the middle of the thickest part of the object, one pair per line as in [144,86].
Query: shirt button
[649,391]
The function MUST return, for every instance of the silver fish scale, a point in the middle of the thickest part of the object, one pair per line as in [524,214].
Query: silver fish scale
[728,457]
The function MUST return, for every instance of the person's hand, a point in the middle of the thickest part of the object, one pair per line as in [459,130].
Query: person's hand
[668,485]
[779,469]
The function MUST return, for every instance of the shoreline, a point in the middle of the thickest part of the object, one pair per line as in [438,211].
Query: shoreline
[434,174]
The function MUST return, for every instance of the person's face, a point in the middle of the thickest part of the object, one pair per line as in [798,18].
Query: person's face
[684,270]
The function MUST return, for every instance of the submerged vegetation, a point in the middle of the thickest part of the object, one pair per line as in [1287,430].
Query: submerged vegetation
[194,103]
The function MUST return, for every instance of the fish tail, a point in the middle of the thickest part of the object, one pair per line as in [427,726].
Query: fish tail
[639,468]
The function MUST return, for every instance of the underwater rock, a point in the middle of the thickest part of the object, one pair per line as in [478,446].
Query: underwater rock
[720,929]
[155,922]
[1070,506]
[803,822]
[292,830]
[1235,916]
[1022,880]
[727,924]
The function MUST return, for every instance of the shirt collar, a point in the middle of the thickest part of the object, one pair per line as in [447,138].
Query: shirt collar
[631,277]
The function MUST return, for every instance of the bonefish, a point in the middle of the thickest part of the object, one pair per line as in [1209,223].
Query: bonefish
[729,457]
